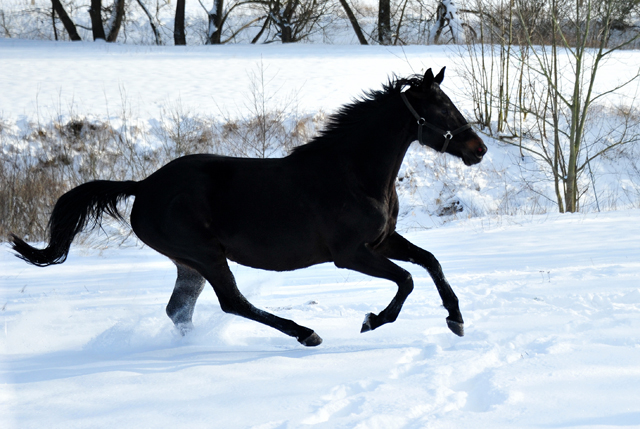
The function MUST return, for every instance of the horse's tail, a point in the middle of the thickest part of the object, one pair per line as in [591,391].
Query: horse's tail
[71,214]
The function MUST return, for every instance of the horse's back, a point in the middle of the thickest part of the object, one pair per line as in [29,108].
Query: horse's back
[256,211]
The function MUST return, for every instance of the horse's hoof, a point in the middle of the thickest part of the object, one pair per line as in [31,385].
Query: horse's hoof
[184,328]
[312,340]
[456,327]
[367,325]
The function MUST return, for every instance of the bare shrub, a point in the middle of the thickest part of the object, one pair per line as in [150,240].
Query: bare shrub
[182,133]
[39,165]
[268,135]
[41,162]
[29,191]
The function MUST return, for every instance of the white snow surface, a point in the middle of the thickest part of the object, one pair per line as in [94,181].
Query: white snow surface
[551,305]
[53,78]
[551,302]
[43,80]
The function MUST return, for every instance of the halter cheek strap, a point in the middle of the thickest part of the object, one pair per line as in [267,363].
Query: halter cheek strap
[448,135]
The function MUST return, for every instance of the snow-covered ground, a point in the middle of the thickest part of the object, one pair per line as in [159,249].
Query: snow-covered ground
[42,80]
[551,304]
[50,79]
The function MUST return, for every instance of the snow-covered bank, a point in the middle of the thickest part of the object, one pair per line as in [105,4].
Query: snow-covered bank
[551,303]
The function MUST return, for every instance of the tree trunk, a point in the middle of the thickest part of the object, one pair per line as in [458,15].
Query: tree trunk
[116,20]
[286,18]
[66,21]
[285,34]
[354,22]
[179,36]
[215,23]
[557,176]
[384,22]
[53,22]
[442,20]
[95,12]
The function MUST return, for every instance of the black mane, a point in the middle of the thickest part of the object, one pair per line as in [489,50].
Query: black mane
[359,110]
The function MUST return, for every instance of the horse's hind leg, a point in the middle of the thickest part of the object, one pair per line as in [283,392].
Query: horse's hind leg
[232,301]
[189,285]
[399,248]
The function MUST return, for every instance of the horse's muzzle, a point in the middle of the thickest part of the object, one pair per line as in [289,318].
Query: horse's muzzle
[475,151]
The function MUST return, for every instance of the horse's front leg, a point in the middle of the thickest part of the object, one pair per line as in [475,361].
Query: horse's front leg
[399,248]
[373,264]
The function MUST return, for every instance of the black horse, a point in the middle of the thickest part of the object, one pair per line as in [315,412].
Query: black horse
[331,200]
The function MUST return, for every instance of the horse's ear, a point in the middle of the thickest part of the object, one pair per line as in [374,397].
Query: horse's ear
[440,76]
[427,81]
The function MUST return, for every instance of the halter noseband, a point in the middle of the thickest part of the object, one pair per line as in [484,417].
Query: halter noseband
[448,135]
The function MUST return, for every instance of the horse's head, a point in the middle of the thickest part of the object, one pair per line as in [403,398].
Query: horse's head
[440,125]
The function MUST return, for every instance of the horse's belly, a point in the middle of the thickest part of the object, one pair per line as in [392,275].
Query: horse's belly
[278,256]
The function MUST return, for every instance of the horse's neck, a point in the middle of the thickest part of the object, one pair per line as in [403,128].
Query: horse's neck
[369,149]
[378,153]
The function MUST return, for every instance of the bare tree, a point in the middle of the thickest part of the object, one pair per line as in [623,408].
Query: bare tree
[216,20]
[115,21]
[179,35]
[66,21]
[282,15]
[354,22]
[218,16]
[113,24]
[384,22]
[449,27]
[289,20]
[544,96]
[152,23]
[95,12]
[576,103]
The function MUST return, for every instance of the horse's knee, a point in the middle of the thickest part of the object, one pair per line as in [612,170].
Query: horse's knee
[430,262]
[406,286]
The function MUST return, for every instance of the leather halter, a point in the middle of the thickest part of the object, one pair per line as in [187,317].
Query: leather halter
[448,135]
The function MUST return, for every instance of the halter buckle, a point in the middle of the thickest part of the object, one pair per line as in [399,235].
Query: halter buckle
[448,135]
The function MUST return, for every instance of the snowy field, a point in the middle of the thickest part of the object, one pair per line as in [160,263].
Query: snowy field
[552,311]
[551,302]
[42,80]
[93,78]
